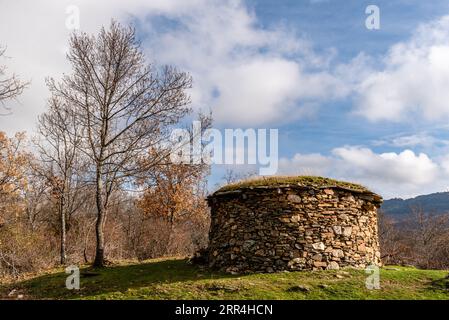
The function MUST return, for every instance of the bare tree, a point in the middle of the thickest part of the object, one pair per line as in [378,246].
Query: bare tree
[392,248]
[428,234]
[60,161]
[420,239]
[35,198]
[124,107]
[10,85]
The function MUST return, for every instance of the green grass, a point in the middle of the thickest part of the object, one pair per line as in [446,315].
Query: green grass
[177,279]
[310,181]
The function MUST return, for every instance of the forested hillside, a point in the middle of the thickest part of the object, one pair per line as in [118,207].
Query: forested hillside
[435,203]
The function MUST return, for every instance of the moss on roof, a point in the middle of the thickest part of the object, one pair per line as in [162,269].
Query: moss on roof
[306,181]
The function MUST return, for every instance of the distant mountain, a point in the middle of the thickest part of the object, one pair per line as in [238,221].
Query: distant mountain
[435,203]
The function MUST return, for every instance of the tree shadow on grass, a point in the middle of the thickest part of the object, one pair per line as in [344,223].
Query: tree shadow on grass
[441,285]
[95,281]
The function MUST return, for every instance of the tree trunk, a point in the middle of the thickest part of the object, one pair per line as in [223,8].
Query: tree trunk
[101,215]
[63,231]
[99,252]
[171,221]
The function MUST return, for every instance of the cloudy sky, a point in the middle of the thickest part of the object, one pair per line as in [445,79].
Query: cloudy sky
[369,106]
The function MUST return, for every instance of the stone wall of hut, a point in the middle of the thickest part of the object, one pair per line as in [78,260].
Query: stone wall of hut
[269,229]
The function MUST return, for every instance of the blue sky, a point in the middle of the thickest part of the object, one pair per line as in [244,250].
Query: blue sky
[341,25]
[331,24]
[368,106]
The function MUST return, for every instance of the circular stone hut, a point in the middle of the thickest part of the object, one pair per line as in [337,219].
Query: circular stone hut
[292,223]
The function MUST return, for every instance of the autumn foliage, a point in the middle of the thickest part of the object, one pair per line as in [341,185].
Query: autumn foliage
[165,215]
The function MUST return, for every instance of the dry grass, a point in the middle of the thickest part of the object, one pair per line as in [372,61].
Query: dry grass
[308,181]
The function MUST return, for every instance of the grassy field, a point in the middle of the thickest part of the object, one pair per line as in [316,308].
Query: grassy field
[177,279]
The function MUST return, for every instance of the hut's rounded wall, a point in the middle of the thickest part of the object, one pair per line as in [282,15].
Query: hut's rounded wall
[276,229]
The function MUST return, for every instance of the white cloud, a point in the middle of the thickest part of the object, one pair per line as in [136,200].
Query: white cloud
[36,37]
[403,168]
[419,139]
[306,164]
[243,72]
[403,174]
[414,79]
[247,74]
[445,164]
[414,140]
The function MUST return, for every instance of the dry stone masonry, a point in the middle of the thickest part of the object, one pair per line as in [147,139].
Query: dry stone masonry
[293,226]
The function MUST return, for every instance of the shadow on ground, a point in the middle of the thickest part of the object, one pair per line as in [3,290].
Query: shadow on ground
[121,278]
[440,284]
[178,279]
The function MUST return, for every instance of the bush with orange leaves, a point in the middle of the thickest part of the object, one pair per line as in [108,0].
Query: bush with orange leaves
[174,217]
[18,244]
[13,179]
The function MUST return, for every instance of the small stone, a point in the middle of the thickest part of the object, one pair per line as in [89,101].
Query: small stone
[325,205]
[248,244]
[295,218]
[294,198]
[320,264]
[317,257]
[295,261]
[333,266]
[319,246]
[338,253]
[350,199]
[347,231]
[232,270]
[337,229]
